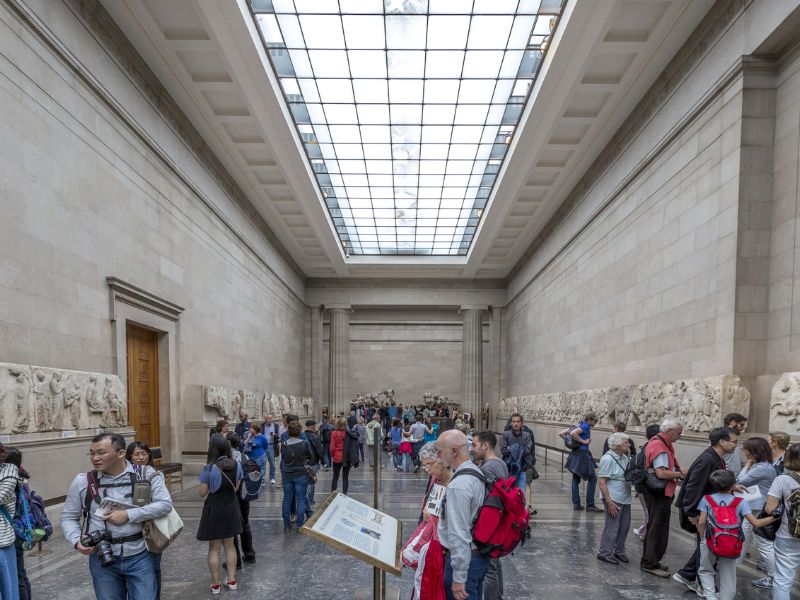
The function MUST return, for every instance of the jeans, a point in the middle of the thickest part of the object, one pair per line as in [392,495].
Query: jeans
[9,583]
[615,531]
[415,448]
[726,567]
[657,536]
[361,450]
[337,468]
[271,459]
[22,576]
[128,578]
[787,559]
[396,456]
[327,457]
[493,582]
[522,481]
[246,536]
[475,576]
[295,490]
[156,556]
[312,487]
[261,461]
[591,483]
[404,460]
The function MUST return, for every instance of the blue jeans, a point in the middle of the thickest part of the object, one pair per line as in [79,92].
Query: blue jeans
[9,582]
[261,461]
[327,457]
[128,578]
[591,483]
[271,459]
[157,566]
[522,479]
[295,490]
[396,456]
[475,575]
[415,448]
[310,494]
[787,559]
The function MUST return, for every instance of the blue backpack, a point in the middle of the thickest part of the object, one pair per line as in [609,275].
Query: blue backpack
[29,515]
[253,483]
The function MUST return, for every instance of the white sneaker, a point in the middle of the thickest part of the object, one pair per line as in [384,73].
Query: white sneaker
[690,585]
[272,481]
[231,585]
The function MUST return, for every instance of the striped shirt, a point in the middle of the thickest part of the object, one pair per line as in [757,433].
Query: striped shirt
[9,478]
[463,499]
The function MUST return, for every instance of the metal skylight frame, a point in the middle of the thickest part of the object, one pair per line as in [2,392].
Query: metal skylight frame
[406,108]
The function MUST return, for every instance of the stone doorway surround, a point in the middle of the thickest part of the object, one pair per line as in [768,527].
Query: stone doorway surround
[131,304]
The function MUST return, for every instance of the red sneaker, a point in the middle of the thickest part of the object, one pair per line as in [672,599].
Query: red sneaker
[231,584]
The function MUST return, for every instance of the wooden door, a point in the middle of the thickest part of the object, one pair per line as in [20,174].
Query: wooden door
[143,384]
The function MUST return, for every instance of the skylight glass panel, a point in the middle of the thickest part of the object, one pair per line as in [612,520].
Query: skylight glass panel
[406,108]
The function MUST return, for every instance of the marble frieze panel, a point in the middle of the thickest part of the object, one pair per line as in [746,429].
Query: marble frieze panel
[38,399]
[228,402]
[698,403]
[784,406]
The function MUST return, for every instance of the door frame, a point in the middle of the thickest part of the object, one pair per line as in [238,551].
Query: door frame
[131,304]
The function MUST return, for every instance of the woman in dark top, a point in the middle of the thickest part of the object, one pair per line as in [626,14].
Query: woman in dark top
[221,519]
[296,455]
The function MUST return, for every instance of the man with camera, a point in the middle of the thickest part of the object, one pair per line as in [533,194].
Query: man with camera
[121,566]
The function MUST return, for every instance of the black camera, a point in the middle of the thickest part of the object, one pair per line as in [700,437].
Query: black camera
[101,540]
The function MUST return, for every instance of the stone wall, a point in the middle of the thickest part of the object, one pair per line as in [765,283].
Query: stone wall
[89,190]
[411,351]
[657,270]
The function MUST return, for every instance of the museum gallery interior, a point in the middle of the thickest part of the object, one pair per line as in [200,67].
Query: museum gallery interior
[538,206]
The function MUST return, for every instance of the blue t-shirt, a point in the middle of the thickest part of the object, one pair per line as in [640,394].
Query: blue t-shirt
[742,510]
[431,437]
[397,436]
[585,434]
[259,446]
[392,412]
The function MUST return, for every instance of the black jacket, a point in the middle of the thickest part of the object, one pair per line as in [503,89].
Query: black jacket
[295,458]
[350,456]
[696,485]
[317,452]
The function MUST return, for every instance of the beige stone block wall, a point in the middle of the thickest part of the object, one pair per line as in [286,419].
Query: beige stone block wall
[412,351]
[84,198]
[645,293]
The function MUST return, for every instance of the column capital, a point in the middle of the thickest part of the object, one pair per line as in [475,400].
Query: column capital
[338,308]
[473,307]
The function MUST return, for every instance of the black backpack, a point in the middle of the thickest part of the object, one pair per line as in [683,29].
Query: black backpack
[636,473]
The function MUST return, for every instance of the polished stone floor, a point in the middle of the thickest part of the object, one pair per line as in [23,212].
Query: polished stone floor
[559,560]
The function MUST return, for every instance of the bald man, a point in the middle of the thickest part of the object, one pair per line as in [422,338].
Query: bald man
[464,566]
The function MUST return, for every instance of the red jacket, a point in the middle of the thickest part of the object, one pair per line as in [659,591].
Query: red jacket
[337,446]
[658,445]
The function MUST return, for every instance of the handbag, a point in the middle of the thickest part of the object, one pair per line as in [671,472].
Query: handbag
[161,532]
[312,475]
[768,532]
[654,483]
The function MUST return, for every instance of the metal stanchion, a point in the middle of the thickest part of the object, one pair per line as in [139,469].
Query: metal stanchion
[377,574]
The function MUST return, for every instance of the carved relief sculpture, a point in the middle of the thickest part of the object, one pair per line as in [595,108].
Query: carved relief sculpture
[698,403]
[93,399]
[784,406]
[46,399]
[21,403]
[216,397]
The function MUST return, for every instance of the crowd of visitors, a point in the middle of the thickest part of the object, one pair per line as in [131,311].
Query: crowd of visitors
[737,496]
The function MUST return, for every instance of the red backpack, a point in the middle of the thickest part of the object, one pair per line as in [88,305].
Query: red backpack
[724,529]
[503,521]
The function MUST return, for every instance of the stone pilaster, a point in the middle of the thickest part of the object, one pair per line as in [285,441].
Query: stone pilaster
[472,361]
[339,359]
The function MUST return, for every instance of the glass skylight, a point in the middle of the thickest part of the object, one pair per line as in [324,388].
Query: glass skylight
[406,108]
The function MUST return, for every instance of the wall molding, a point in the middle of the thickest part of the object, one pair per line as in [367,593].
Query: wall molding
[127,293]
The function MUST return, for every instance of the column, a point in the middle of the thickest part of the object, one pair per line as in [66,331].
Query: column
[472,361]
[339,359]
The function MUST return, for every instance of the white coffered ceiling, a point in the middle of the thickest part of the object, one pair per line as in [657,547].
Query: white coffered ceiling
[604,56]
